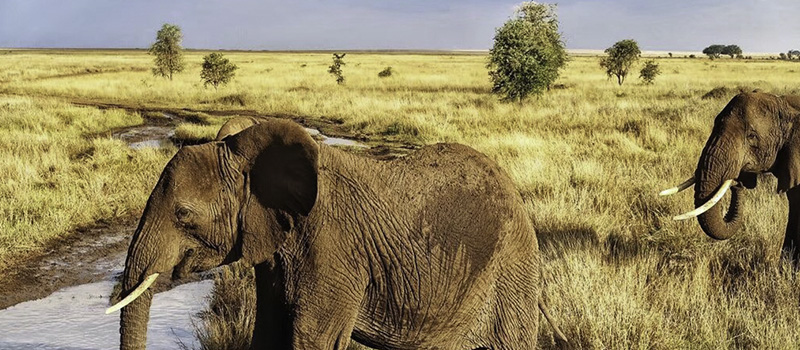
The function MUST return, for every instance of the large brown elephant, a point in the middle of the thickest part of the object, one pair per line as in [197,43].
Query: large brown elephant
[431,251]
[755,133]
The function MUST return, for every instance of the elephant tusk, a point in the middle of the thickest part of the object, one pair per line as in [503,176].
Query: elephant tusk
[711,202]
[684,185]
[135,294]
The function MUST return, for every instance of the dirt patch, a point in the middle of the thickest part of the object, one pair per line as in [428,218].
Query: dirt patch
[85,256]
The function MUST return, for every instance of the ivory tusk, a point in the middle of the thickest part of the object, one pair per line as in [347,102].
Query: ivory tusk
[684,185]
[711,202]
[135,294]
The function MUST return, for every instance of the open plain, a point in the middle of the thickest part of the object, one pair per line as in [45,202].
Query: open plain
[588,157]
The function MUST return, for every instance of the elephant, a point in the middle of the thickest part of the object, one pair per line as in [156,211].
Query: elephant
[755,133]
[431,251]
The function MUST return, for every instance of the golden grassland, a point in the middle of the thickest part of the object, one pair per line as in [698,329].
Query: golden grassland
[588,158]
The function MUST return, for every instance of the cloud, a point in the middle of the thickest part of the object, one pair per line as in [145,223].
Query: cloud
[756,25]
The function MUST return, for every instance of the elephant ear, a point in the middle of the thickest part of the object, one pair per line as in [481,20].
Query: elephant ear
[281,161]
[787,163]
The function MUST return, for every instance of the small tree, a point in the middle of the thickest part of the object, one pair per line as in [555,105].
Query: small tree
[649,72]
[386,72]
[336,68]
[731,50]
[783,56]
[168,51]
[528,52]
[670,54]
[217,70]
[621,57]
[713,51]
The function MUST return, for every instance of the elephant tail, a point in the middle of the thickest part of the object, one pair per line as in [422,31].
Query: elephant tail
[560,338]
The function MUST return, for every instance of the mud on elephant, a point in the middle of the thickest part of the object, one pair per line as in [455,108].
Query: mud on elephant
[755,133]
[434,250]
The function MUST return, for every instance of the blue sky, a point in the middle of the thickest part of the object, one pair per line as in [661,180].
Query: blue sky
[681,25]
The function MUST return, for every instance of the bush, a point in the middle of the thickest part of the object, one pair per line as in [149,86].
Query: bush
[217,70]
[528,52]
[649,72]
[239,99]
[717,92]
[336,68]
[386,72]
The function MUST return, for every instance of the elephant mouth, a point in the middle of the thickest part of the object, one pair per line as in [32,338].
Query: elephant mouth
[747,179]
[187,266]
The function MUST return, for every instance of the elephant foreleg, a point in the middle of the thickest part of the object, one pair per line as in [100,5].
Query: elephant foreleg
[271,322]
[317,314]
[791,242]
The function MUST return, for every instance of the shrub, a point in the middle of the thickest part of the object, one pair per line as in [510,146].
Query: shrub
[717,92]
[649,72]
[528,52]
[386,72]
[336,68]
[217,70]
[239,99]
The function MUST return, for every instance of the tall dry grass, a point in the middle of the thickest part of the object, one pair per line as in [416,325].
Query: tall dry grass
[588,160]
[58,174]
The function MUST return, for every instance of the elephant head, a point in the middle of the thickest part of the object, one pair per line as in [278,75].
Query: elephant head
[216,203]
[753,134]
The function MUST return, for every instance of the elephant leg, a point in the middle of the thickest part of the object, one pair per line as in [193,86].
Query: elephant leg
[311,312]
[271,312]
[791,242]
[324,316]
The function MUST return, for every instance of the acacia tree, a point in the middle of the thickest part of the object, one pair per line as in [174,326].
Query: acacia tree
[713,51]
[528,52]
[731,50]
[168,51]
[621,57]
[217,70]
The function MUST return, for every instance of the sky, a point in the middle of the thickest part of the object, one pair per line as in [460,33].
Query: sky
[679,25]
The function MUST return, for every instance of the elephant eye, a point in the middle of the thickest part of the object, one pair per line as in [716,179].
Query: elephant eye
[182,213]
[185,217]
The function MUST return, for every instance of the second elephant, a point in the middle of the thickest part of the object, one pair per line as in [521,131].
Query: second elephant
[755,133]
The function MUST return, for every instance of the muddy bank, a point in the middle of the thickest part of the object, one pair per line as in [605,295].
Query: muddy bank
[379,147]
[83,257]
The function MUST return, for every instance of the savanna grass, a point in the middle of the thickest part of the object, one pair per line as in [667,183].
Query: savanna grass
[58,174]
[588,159]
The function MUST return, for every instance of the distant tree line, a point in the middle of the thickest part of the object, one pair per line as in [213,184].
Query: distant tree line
[716,50]
[790,55]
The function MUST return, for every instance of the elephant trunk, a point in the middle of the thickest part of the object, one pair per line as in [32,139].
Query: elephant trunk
[143,260]
[719,162]
[133,322]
